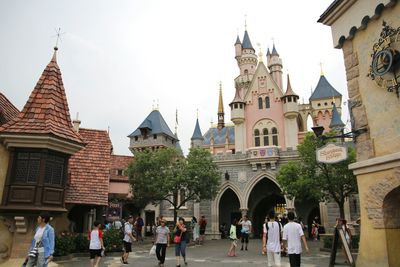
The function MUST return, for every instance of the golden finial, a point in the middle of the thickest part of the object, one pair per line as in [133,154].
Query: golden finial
[322,72]
[260,59]
[245,22]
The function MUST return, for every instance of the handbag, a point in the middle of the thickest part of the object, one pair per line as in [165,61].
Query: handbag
[178,238]
[152,250]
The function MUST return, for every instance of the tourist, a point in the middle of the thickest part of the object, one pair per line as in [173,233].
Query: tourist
[233,238]
[202,225]
[162,242]
[180,241]
[246,230]
[96,244]
[292,236]
[139,226]
[195,229]
[117,224]
[314,231]
[128,239]
[42,248]
[272,240]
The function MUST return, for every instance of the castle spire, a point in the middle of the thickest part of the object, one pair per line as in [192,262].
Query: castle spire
[221,113]
[336,122]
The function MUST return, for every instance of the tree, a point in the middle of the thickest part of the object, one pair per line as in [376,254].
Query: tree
[161,175]
[308,178]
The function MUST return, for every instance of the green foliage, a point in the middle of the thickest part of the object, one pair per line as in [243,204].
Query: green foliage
[64,245]
[160,175]
[81,242]
[112,240]
[308,178]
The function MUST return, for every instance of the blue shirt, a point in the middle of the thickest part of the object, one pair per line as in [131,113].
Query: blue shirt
[47,240]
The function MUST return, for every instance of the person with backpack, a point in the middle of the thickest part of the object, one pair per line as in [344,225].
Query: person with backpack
[272,240]
[96,244]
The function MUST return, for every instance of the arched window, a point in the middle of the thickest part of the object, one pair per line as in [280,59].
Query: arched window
[267,104]
[260,103]
[256,137]
[265,137]
[274,136]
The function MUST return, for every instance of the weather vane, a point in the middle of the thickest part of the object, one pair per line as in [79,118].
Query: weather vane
[58,35]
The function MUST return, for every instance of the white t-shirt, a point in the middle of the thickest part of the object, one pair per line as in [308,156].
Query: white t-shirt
[117,225]
[128,230]
[273,236]
[38,237]
[246,226]
[292,232]
[95,236]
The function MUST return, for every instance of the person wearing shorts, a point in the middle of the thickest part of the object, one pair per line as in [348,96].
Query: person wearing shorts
[96,244]
[203,225]
[128,239]
[180,247]
[246,230]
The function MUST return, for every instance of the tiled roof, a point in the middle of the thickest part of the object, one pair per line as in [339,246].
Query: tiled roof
[156,124]
[7,110]
[324,90]
[220,135]
[336,121]
[237,40]
[274,52]
[119,162]
[197,135]
[46,111]
[246,41]
[89,169]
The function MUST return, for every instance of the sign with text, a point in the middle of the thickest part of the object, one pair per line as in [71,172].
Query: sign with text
[114,211]
[332,153]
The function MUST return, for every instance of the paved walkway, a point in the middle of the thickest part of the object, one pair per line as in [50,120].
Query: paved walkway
[212,254]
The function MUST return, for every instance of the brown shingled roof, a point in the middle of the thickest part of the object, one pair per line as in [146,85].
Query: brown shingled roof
[46,111]
[89,169]
[289,90]
[7,110]
[119,162]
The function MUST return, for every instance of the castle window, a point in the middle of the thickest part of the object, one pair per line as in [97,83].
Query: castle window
[267,103]
[120,172]
[154,136]
[319,104]
[236,105]
[27,167]
[256,137]
[241,106]
[260,103]
[274,136]
[136,138]
[265,137]
[54,170]
[326,104]
[246,72]
[289,99]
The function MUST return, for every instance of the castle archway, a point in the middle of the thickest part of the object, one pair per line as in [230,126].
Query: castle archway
[391,217]
[229,207]
[265,195]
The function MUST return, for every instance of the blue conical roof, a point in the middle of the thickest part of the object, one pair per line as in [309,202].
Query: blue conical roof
[324,90]
[336,121]
[197,132]
[156,124]
[274,52]
[238,40]
[246,41]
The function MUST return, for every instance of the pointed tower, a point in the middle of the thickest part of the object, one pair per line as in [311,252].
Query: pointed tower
[238,118]
[275,66]
[238,48]
[40,141]
[336,122]
[247,61]
[197,137]
[221,113]
[322,100]
[291,113]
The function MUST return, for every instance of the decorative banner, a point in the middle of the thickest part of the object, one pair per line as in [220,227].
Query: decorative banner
[332,153]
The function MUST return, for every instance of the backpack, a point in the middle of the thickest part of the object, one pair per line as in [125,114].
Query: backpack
[280,229]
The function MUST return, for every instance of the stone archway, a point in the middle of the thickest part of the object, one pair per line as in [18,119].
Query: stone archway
[228,207]
[391,218]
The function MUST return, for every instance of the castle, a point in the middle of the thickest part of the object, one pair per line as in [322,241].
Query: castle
[268,123]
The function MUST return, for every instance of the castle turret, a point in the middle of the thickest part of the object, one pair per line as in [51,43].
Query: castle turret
[238,48]
[221,113]
[197,137]
[336,121]
[238,117]
[291,113]
[275,66]
[247,61]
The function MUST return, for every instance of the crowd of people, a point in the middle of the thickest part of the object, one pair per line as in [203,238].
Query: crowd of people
[281,236]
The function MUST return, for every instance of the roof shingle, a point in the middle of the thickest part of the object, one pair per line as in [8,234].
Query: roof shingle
[89,169]
[119,162]
[46,111]
[7,110]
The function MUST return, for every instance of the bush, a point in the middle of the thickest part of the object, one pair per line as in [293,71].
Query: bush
[64,245]
[81,242]
[112,240]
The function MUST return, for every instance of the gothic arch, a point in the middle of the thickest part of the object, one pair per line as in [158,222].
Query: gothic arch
[254,181]
[234,188]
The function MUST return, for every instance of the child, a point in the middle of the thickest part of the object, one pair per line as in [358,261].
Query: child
[96,244]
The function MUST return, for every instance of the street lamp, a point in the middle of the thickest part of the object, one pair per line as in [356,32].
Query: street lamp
[318,131]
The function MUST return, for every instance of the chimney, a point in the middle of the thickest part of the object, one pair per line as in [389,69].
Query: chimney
[76,123]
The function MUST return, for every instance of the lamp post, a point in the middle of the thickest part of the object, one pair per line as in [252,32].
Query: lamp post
[318,131]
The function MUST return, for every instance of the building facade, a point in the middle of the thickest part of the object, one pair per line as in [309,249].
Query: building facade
[368,34]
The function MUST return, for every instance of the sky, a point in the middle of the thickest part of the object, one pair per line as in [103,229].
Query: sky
[118,58]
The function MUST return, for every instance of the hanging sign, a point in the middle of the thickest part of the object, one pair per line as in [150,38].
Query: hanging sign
[332,153]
